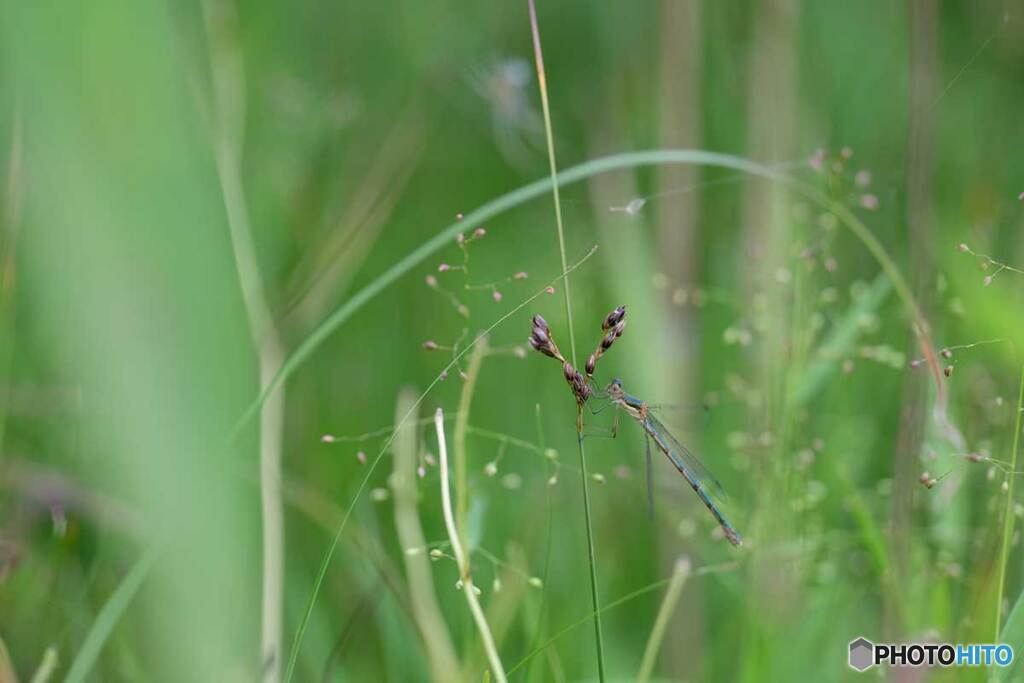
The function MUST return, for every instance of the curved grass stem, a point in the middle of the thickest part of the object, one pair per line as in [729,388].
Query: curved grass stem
[668,606]
[465,577]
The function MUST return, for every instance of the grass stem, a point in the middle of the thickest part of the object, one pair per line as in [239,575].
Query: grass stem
[229,107]
[542,82]
[1008,515]
[468,589]
[668,605]
[461,429]
[425,607]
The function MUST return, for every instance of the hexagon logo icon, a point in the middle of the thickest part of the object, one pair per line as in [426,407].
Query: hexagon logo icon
[861,654]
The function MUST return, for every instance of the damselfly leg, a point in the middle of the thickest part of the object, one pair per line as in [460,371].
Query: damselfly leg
[649,467]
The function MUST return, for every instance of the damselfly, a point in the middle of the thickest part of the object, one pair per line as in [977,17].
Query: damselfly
[696,474]
[686,462]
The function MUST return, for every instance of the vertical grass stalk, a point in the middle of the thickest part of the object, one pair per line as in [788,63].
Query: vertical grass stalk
[468,589]
[461,426]
[110,614]
[542,83]
[1008,513]
[668,605]
[229,109]
[426,610]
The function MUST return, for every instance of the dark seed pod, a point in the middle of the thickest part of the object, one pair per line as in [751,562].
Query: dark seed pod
[577,383]
[614,318]
[540,339]
[614,325]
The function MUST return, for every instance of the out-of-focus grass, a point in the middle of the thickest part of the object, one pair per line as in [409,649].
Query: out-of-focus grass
[126,357]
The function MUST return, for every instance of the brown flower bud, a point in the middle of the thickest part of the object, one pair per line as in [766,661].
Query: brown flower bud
[577,383]
[540,339]
[613,318]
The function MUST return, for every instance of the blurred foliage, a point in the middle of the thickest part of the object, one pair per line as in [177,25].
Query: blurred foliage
[127,358]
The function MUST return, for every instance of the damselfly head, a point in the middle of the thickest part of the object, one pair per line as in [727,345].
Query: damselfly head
[614,389]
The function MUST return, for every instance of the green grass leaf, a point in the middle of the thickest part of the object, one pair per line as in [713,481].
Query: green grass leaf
[110,615]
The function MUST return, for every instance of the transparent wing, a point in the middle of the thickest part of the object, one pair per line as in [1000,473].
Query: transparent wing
[685,457]
[687,415]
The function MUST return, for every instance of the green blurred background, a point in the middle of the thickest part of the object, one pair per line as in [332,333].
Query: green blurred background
[190,190]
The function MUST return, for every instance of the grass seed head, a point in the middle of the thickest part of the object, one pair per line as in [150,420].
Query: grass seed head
[613,324]
[540,339]
[613,318]
[576,382]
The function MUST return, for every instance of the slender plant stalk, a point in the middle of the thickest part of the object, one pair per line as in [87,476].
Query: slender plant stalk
[461,428]
[228,78]
[7,672]
[426,611]
[710,569]
[110,614]
[326,561]
[44,672]
[1008,515]
[539,626]
[10,224]
[542,82]
[468,589]
[589,617]
[668,606]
